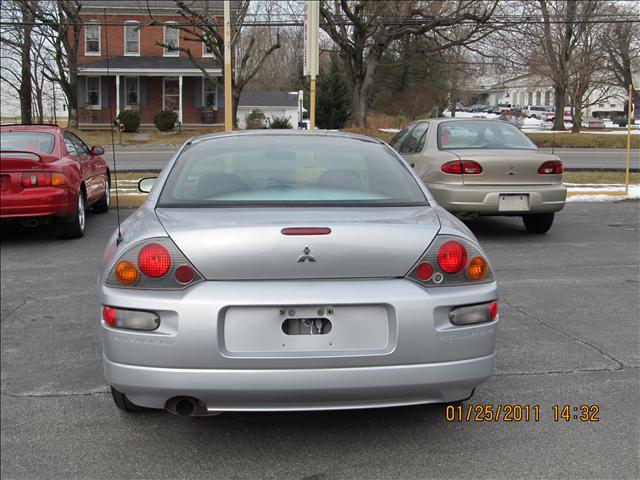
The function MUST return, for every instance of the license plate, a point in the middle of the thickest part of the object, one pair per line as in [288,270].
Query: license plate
[513,203]
[322,328]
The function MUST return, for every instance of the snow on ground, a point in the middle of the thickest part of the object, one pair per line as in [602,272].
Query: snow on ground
[591,192]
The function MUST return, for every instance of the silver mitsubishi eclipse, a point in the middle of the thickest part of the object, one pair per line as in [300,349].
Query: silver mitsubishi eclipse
[281,271]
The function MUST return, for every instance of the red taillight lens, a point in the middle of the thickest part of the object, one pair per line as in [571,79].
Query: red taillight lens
[454,168]
[184,274]
[154,260]
[459,167]
[552,167]
[109,315]
[452,257]
[424,271]
[36,179]
[493,310]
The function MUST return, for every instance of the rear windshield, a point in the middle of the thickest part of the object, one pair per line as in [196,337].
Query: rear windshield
[289,170]
[481,134]
[38,142]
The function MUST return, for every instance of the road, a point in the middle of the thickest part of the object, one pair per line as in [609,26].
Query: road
[568,335]
[154,158]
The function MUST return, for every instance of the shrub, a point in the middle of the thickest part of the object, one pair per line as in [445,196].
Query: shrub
[255,119]
[130,119]
[280,122]
[513,117]
[165,120]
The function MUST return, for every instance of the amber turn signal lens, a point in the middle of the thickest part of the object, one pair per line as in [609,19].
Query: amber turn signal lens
[477,268]
[126,272]
[58,179]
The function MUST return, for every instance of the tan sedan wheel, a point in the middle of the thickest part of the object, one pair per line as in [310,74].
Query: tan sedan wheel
[540,223]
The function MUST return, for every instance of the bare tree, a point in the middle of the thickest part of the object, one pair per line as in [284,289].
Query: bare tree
[15,40]
[250,54]
[60,24]
[363,30]
[622,43]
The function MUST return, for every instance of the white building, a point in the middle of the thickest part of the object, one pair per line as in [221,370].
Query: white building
[272,104]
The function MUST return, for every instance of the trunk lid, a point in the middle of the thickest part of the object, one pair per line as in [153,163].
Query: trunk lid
[14,161]
[507,167]
[247,244]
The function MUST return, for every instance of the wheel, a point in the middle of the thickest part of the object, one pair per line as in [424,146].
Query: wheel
[102,205]
[538,223]
[74,227]
[123,403]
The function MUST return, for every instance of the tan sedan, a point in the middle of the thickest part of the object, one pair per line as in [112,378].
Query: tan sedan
[485,167]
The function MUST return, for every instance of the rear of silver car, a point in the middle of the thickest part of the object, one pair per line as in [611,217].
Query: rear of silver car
[297,309]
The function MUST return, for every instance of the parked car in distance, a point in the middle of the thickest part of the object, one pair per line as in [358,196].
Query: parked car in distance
[485,167]
[49,173]
[293,270]
[533,111]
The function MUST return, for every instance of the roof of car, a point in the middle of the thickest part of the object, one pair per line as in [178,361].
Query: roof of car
[283,132]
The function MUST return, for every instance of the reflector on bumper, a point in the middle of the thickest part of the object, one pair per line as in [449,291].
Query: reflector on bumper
[471,314]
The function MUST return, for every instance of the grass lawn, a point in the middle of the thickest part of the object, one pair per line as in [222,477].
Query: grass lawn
[103,137]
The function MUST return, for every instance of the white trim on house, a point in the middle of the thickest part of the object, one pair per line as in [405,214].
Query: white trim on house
[98,106]
[149,72]
[86,52]
[130,23]
[127,105]
[166,52]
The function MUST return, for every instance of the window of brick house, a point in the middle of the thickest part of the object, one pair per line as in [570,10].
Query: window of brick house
[206,51]
[171,41]
[131,38]
[131,92]
[209,93]
[170,93]
[93,93]
[92,39]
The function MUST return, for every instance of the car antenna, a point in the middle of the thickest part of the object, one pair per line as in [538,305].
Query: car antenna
[113,141]
[553,137]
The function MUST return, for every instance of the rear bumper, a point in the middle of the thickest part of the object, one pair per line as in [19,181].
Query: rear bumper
[483,199]
[423,359]
[303,389]
[37,202]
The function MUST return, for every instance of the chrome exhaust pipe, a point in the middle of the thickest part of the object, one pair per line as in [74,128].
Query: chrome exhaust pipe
[188,407]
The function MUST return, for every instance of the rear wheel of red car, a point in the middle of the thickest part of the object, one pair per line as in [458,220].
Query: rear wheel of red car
[74,226]
[540,223]
[123,403]
[102,205]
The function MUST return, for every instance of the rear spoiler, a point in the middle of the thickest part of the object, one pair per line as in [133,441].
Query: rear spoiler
[20,154]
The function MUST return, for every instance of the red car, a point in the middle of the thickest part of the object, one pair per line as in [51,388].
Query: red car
[48,173]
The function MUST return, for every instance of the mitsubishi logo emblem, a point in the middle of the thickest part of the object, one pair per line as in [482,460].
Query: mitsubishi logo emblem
[306,256]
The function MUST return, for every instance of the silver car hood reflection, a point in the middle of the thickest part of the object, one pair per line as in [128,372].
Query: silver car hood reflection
[247,243]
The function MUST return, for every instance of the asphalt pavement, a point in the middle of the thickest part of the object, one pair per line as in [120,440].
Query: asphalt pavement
[155,157]
[569,335]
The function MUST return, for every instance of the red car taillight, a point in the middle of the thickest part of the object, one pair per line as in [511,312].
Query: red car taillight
[154,260]
[552,167]
[154,265]
[451,260]
[43,179]
[460,167]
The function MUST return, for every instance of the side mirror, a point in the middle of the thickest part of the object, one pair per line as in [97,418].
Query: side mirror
[95,151]
[146,184]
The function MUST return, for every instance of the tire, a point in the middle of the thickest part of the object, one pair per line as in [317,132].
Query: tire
[123,403]
[74,227]
[102,205]
[540,223]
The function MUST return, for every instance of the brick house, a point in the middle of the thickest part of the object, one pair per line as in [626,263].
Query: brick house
[143,75]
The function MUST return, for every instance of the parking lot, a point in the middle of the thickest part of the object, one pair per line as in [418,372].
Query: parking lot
[569,335]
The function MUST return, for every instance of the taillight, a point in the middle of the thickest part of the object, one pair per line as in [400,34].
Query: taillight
[154,260]
[452,257]
[155,264]
[459,167]
[130,319]
[451,260]
[551,167]
[43,179]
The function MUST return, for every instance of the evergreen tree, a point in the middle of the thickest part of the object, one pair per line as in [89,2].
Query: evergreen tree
[332,96]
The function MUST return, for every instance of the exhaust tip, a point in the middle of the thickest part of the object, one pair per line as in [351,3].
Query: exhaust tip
[185,407]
